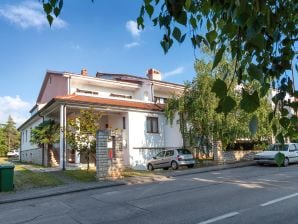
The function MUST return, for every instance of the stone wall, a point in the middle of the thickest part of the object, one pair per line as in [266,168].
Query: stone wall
[221,156]
[107,167]
[234,156]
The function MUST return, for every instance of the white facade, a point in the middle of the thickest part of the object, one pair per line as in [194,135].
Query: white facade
[126,102]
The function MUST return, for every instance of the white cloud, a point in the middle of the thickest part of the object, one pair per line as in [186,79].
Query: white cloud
[15,107]
[176,71]
[29,14]
[132,44]
[132,27]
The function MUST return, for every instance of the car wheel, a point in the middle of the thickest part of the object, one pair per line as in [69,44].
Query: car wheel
[174,165]
[286,162]
[150,167]
[191,165]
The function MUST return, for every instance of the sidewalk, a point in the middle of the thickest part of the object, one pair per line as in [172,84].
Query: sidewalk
[36,193]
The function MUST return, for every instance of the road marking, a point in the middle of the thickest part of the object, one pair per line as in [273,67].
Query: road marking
[279,199]
[225,216]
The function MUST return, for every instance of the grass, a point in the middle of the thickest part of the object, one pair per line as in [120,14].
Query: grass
[81,175]
[25,179]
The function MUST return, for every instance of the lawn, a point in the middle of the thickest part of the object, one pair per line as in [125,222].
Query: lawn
[81,175]
[25,179]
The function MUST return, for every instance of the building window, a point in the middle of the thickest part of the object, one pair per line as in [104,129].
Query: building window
[152,125]
[26,135]
[123,123]
[121,96]
[160,100]
[89,92]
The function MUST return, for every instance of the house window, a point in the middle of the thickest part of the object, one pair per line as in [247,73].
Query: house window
[160,100]
[26,135]
[152,125]
[89,92]
[123,123]
[120,96]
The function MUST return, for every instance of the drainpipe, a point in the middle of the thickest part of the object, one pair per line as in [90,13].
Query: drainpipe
[42,151]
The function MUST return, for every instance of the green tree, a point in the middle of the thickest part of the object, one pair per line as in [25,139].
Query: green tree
[3,145]
[81,132]
[200,110]
[46,133]
[259,35]
[12,135]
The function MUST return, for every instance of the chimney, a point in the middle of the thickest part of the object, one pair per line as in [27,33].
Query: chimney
[84,72]
[154,74]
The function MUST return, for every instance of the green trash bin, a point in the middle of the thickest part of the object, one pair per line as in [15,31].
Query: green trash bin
[6,177]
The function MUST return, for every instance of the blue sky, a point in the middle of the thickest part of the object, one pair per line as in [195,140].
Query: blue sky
[99,36]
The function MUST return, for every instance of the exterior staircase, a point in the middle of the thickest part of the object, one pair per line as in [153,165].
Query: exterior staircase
[53,158]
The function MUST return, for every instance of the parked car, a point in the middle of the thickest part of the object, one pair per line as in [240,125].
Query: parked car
[289,150]
[14,153]
[171,158]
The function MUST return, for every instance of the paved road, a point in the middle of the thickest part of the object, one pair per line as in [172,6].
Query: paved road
[243,195]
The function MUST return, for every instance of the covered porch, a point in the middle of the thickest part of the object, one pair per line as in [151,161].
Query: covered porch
[63,155]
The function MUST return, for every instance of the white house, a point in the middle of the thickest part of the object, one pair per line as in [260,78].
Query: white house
[133,104]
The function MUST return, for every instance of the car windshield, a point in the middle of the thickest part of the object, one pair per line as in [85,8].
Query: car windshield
[278,147]
[183,151]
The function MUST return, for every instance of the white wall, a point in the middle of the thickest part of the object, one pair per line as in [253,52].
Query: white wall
[173,137]
[140,93]
[25,140]
[102,91]
[139,138]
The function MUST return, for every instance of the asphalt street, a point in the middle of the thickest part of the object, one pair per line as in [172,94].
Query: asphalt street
[243,195]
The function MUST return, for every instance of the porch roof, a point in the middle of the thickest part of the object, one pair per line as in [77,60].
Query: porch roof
[110,102]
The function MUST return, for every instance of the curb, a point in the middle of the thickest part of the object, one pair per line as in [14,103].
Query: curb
[210,169]
[62,192]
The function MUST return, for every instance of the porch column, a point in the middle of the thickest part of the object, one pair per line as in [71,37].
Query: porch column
[62,153]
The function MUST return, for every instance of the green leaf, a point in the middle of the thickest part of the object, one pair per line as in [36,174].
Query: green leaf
[149,9]
[274,129]
[218,56]
[208,24]
[226,105]
[140,22]
[249,103]
[53,2]
[47,8]
[50,19]
[253,125]
[187,4]
[279,159]
[255,73]
[193,22]
[284,122]
[177,34]
[60,4]
[270,116]
[280,138]
[182,19]
[182,38]
[57,11]
[211,36]
[220,88]
[264,89]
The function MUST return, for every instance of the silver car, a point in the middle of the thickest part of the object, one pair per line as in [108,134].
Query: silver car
[171,158]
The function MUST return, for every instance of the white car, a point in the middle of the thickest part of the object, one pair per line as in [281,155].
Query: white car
[290,150]
[14,153]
